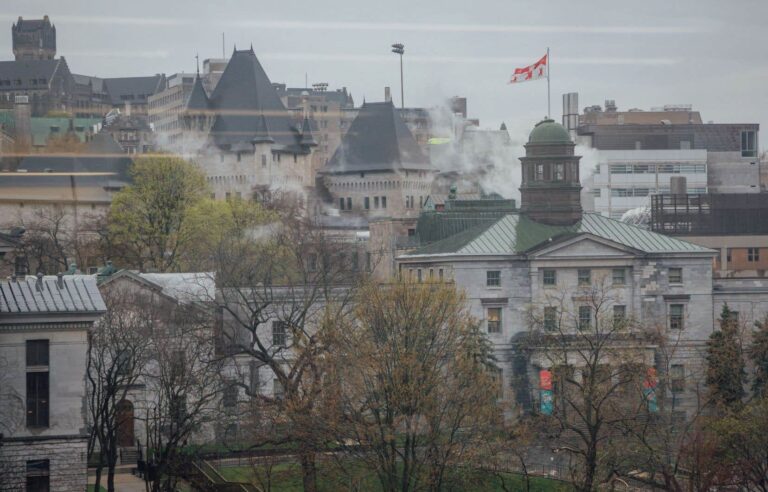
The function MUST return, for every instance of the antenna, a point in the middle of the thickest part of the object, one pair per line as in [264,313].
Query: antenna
[197,62]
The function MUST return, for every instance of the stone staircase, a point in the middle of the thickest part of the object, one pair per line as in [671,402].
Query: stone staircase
[129,456]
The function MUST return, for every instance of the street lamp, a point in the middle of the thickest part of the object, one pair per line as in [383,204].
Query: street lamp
[399,48]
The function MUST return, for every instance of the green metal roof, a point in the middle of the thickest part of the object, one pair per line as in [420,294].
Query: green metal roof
[41,127]
[547,131]
[516,234]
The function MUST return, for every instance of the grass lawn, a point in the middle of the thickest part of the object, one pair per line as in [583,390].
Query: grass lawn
[91,488]
[287,478]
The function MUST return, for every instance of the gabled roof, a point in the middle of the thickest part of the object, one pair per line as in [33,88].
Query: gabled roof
[26,71]
[242,97]
[69,294]
[136,89]
[516,234]
[377,140]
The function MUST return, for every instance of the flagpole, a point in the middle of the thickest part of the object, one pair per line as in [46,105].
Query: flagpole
[549,106]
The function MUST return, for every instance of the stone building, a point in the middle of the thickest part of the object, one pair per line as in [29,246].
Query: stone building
[549,259]
[244,138]
[34,39]
[133,133]
[45,322]
[48,84]
[378,170]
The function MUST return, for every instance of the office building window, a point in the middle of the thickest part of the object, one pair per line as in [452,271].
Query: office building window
[677,378]
[619,276]
[585,276]
[749,143]
[279,333]
[38,476]
[367,203]
[676,316]
[493,320]
[550,277]
[550,318]
[675,275]
[493,278]
[585,317]
[753,254]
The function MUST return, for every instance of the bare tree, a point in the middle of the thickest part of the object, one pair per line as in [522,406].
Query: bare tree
[117,354]
[183,379]
[597,358]
[279,291]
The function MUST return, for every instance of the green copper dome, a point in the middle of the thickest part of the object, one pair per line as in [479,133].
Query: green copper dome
[548,132]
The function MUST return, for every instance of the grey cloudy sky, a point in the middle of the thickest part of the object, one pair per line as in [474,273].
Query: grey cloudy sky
[709,53]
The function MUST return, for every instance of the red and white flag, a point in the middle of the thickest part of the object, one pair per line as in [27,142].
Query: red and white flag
[538,70]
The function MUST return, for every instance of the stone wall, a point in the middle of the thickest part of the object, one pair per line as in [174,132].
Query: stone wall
[68,467]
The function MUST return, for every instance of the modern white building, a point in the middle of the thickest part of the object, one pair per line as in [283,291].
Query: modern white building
[625,179]
[44,325]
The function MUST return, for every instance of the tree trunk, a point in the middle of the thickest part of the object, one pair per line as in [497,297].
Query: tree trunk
[308,470]
[99,468]
[590,469]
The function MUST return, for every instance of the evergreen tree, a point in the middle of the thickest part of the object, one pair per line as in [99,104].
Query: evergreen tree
[726,374]
[758,353]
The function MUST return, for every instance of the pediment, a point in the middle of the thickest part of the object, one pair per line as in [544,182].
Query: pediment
[584,246]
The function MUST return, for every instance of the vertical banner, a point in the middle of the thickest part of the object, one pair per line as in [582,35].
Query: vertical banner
[649,390]
[545,393]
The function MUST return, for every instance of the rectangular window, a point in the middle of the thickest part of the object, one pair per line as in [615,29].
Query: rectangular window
[38,476]
[677,378]
[559,172]
[263,160]
[748,143]
[254,379]
[753,254]
[383,202]
[375,202]
[539,172]
[494,320]
[675,275]
[279,333]
[37,399]
[676,316]
[229,398]
[37,352]
[585,276]
[728,255]
[277,389]
[440,274]
[349,203]
[341,203]
[550,318]
[585,317]
[550,277]
[418,275]
[619,315]
[367,203]
[493,278]
[619,276]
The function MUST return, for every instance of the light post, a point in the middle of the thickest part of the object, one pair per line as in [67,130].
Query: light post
[399,48]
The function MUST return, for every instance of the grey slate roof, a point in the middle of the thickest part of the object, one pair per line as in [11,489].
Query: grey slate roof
[377,140]
[242,96]
[516,234]
[26,71]
[139,88]
[198,99]
[96,83]
[71,294]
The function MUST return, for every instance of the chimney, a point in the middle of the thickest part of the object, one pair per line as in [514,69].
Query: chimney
[23,117]
[39,282]
[60,280]
[678,185]
[387,94]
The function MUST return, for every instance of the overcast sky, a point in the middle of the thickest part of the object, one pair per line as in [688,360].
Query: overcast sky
[709,53]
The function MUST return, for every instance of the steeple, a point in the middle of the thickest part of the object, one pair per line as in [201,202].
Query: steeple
[306,134]
[551,191]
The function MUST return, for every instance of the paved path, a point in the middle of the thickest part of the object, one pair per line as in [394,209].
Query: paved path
[124,482]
